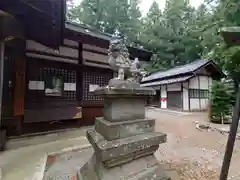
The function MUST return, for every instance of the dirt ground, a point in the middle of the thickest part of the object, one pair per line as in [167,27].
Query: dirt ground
[195,154]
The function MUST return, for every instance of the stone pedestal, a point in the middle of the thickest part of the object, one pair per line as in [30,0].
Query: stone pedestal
[124,140]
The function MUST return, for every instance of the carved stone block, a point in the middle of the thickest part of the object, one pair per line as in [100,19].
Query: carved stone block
[120,151]
[116,130]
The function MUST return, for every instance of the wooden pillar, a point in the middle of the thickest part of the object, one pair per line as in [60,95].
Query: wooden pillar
[19,89]
[2,131]
[1,77]
[16,82]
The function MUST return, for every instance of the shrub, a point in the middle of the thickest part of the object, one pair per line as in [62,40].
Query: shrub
[220,101]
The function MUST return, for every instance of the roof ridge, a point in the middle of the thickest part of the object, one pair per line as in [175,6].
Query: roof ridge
[180,66]
[187,68]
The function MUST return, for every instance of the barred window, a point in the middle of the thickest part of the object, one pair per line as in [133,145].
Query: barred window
[91,80]
[61,76]
[198,93]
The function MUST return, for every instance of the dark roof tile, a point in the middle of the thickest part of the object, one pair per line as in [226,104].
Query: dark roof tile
[188,68]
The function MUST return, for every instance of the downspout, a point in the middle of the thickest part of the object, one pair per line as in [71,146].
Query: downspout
[1,77]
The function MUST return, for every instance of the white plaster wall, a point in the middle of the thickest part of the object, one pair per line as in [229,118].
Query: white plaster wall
[185,96]
[65,51]
[203,82]
[193,83]
[163,95]
[194,104]
[174,87]
[204,104]
[210,80]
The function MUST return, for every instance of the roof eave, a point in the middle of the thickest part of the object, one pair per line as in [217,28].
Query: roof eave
[231,35]
[222,75]
[170,77]
[86,31]
[185,78]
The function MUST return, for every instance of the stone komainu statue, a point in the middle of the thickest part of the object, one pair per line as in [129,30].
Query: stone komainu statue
[127,70]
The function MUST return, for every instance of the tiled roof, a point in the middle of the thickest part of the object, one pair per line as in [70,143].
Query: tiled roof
[188,68]
[139,52]
[86,30]
[166,81]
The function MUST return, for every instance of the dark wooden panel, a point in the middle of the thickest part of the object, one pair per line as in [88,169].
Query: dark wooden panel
[47,126]
[8,81]
[52,55]
[42,20]
[19,85]
[37,70]
[89,113]
[86,39]
[95,51]
[174,99]
[42,108]
[13,125]
[44,114]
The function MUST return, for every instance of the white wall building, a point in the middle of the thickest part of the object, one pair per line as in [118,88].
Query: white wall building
[185,87]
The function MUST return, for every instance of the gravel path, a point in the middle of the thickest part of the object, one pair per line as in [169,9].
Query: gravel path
[194,154]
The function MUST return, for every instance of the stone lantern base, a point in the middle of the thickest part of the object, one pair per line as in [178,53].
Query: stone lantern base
[124,140]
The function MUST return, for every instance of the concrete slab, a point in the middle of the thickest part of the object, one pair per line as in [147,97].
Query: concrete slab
[45,137]
[28,163]
[65,165]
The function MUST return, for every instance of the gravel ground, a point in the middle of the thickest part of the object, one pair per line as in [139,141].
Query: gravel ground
[194,154]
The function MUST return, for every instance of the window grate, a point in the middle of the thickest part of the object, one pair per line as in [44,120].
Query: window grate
[94,78]
[198,94]
[68,76]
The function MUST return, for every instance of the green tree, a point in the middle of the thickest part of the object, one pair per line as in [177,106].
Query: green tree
[110,16]
[173,34]
[220,103]
[225,13]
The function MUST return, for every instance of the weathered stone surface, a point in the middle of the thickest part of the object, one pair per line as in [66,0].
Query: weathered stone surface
[118,83]
[124,141]
[115,130]
[121,109]
[125,92]
[144,168]
[116,152]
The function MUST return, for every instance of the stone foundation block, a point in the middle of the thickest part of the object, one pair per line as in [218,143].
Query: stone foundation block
[117,152]
[145,168]
[122,109]
[116,130]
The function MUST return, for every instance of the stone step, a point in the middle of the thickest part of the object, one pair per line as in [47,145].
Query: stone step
[65,165]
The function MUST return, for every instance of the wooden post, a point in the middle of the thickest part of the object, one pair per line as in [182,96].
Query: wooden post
[231,139]
[1,77]
[3,136]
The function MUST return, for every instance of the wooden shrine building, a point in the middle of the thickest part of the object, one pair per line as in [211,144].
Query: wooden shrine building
[52,68]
